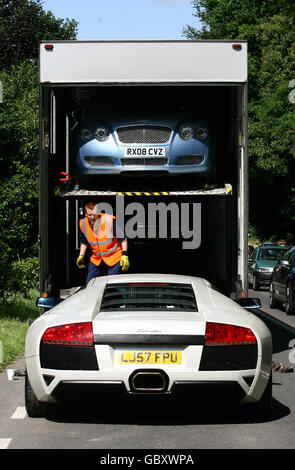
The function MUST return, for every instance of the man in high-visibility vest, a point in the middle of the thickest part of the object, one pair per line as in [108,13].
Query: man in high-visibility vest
[108,253]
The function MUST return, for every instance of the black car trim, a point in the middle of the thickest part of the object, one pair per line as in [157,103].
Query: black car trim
[110,339]
[85,391]
[237,357]
[66,357]
[148,296]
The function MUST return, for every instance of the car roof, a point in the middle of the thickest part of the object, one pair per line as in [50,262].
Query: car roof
[273,245]
[154,278]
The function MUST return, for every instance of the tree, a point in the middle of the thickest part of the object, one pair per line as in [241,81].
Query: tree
[19,160]
[23,24]
[272,128]
[227,19]
[19,119]
[269,27]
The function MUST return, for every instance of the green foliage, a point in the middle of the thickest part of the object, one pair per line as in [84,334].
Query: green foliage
[18,214]
[234,19]
[12,337]
[19,161]
[269,28]
[15,315]
[19,119]
[18,277]
[23,24]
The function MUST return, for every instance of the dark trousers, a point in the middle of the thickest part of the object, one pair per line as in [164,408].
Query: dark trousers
[102,270]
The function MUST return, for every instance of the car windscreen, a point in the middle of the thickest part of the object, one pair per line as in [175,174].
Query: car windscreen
[148,296]
[270,254]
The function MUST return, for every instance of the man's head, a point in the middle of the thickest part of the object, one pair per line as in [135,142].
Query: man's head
[91,212]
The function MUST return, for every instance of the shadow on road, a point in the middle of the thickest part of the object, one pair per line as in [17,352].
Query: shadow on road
[140,413]
[281,335]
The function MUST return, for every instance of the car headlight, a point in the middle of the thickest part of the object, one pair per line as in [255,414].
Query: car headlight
[186,132]
[102,133]
[202,133]
[85,134]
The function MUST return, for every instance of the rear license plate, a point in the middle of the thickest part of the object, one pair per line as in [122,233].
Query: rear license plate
[149,357]
[144,152]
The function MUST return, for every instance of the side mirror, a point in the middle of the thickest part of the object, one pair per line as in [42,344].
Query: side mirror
[48,302]
[249,302]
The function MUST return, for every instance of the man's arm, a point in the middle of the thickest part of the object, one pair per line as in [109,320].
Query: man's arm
[125,245]
[83,249]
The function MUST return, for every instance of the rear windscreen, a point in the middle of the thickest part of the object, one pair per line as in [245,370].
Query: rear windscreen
[149,296]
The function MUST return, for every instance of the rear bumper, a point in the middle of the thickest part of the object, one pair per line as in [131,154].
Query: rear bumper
[204,391]
[263,278]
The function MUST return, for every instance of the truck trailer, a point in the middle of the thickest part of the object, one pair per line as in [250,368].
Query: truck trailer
[206,215]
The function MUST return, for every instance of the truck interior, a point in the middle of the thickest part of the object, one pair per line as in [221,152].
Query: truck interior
[62,207]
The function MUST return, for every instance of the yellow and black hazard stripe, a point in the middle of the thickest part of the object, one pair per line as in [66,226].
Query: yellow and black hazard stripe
[143,193]
[229,189]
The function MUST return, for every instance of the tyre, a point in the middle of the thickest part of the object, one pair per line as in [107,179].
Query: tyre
[290,305]
[264,405]
[273,303]
[256,283]
[34,407]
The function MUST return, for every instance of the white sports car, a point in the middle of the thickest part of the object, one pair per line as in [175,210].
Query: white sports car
[159,335]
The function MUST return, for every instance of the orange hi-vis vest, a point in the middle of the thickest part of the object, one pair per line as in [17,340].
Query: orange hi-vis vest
[102,241]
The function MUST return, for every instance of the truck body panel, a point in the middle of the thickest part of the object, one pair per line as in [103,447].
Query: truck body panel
[214,75]
[166,62]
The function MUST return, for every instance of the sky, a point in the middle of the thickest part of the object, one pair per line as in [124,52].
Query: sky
[126,19]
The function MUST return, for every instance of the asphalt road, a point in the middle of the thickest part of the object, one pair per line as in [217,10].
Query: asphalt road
[142,427]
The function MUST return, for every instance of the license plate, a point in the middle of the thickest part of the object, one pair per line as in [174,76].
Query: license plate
[149,357]
[144,152]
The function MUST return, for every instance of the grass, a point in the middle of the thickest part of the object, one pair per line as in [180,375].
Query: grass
[16,313]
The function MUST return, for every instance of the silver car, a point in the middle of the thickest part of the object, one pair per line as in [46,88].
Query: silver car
[148,335]
[139,138]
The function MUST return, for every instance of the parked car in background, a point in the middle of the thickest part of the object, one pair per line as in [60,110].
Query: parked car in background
[250,250]
[283,281]
[262,262]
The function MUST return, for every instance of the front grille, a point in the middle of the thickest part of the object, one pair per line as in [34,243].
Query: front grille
[144,134]
[144,161]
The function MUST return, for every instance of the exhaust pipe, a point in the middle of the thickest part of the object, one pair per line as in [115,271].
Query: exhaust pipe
[147,381]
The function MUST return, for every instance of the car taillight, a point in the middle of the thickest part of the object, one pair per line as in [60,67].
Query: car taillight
[73,334]
[220,334]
